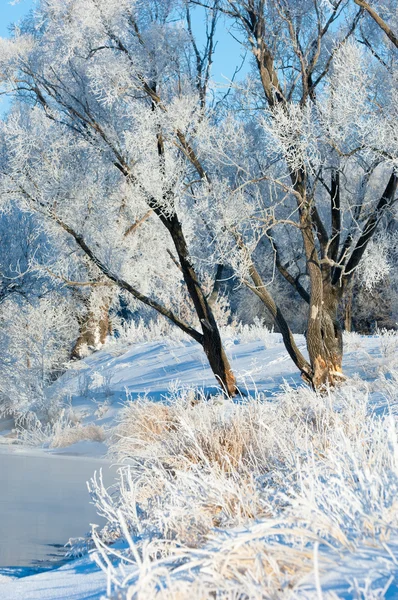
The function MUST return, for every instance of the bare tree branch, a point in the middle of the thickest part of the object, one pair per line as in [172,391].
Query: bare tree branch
[377,18]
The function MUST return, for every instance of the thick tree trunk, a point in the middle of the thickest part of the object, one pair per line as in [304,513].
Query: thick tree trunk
[325,341]
[212,344]
[324,337]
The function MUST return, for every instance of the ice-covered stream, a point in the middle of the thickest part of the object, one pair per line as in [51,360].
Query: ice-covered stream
[43,502]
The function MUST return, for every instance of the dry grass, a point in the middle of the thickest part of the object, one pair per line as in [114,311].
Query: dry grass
[183,432]
[223,500]
[63,430]
[78,433]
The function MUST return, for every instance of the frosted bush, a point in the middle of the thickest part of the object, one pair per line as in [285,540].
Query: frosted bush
[254,332]
[36,340]
[226,500]
[139,332]
[388,342]
[83,380]
[161,330]
[61,432]
[352,341]
[101,382]
[77,433]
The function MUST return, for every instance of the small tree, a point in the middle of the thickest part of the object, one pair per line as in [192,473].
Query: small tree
[35,340]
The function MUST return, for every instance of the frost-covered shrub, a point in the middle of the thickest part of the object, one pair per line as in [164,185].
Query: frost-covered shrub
[352,341]
[60,432]
[254,332]
[36,340]
[388,343]
[137,332]
[234,500]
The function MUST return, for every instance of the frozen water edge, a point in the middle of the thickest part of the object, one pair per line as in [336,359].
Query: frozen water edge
[152,368]
[44,501]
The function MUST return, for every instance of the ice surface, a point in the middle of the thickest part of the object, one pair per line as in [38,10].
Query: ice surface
[43,502]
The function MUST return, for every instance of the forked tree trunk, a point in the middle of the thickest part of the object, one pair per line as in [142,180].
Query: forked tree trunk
[324,336]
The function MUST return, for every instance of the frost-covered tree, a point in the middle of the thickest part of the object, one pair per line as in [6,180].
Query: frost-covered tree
[111,128]
[318,171]
[38,313]
[35,341]
[116,93]
[23,246]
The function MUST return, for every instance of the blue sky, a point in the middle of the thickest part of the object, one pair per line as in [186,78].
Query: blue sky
[12,13]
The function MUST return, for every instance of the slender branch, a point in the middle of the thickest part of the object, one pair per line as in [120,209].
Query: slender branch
[173,258]
[335,214]
[381,23]
[319,228]
[136,224]
[198,337]
[93,284]
[261,291]
[385,201]
[216,286]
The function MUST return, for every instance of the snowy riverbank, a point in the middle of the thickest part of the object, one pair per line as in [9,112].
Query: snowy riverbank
[95,392]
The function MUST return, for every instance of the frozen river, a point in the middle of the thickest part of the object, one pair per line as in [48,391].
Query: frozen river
[43,502]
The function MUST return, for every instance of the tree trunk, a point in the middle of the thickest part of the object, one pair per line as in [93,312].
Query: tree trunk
[212,344]
[325,340]
[348,306]
[94,328]
[324,337]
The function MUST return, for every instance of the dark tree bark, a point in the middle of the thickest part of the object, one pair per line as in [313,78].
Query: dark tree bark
[211,342]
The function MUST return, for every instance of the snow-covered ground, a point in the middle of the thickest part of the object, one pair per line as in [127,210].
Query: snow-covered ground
[95,391]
